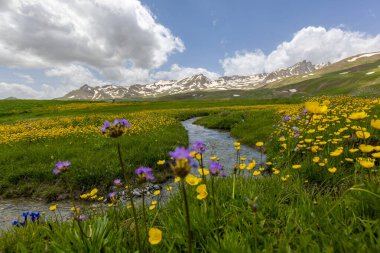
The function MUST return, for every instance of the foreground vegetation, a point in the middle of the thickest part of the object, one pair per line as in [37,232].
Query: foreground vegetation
[318,192]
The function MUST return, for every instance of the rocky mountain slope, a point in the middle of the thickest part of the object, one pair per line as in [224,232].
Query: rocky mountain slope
[190,84]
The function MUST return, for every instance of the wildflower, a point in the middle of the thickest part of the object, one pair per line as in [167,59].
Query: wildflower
[156,192]
[213,158]
[118,183]
[94,192]
[53,207]
[151,207]
[182,164]
[362,134]
[83,217]
[155,236]
[202,192]
[161,162]
[256,173]
[177,179]
[144,174]
[215,168]
[296,166]
[316,108]
[332,170]
[376,155]
[366,163]
[116,129]
[259,144]
[375,123]
[251,165]
[203,171]
[242,166]
[358,115]
[169,188]
[199,147]
[366,148]
[61,167]
[192,180]
[316,159]
[113,197]
[276,171]
[154,202]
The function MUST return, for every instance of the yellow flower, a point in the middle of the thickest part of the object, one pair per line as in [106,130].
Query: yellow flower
[161,162]
[251,165]
[169,188]
[198,156]
[84,196]
[376,155]
[213,158]
[296,166]
[366,163]
[366,148]
[276,171]
[177,179]
[256,173]
[202,192]
[100,198]
[204,171]
[315,108]
[282,139]
[375,123]
[353,150]
[349,159]
[242,166]
[152,207]
[157,192]
[332,170]
[94,192]
[155,236]
[259,144]
[362,134]
[316,159]
[358,115]
[192,180]
[154,202]
[53,207]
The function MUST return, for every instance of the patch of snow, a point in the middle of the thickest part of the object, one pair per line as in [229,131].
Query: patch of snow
[236,95]
[343,73]
[311,74]
[370,73]
[293,90]
[361,56]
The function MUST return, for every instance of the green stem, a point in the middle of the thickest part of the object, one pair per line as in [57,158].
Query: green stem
[214,208]
[130,198]
[189,239]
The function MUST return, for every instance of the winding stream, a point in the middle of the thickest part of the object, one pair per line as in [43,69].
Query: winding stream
[218,143]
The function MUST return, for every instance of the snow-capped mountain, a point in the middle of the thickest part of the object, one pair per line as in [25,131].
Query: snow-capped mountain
[192,83]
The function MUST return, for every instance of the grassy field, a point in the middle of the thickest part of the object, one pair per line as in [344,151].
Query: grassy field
[318,192]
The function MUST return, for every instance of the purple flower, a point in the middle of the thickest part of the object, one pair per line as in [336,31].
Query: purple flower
[83,217]
[222,174]
[117,182]
[14,223]
[296,135]
[199,147]
[295,129]
[116,129]
[61,167]
[180,153]
[305,111]
[144,174]
[287,118]
[113,197]
[105,126]
[215,168]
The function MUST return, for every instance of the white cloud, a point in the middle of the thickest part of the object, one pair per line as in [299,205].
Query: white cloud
[26,78]
[177,72]
[96,33]
[17,90]
[315,44]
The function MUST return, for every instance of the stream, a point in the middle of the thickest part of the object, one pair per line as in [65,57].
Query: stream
[218,143]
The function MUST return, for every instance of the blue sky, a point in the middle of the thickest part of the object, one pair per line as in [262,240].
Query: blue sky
[48,48]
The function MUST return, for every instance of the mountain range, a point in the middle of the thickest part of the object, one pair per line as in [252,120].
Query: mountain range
[282,80]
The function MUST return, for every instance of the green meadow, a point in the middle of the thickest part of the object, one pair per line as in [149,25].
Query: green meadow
[293,203]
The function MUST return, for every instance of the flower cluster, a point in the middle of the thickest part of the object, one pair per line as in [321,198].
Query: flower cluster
[182,161]
[61,167]
[144,174]
[116,129]
[34,216]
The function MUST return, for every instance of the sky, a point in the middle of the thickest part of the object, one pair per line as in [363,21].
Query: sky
[48,48]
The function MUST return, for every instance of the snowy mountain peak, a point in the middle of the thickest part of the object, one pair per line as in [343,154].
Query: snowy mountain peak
[192,83]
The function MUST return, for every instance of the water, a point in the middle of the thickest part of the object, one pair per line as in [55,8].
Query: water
[218,143]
